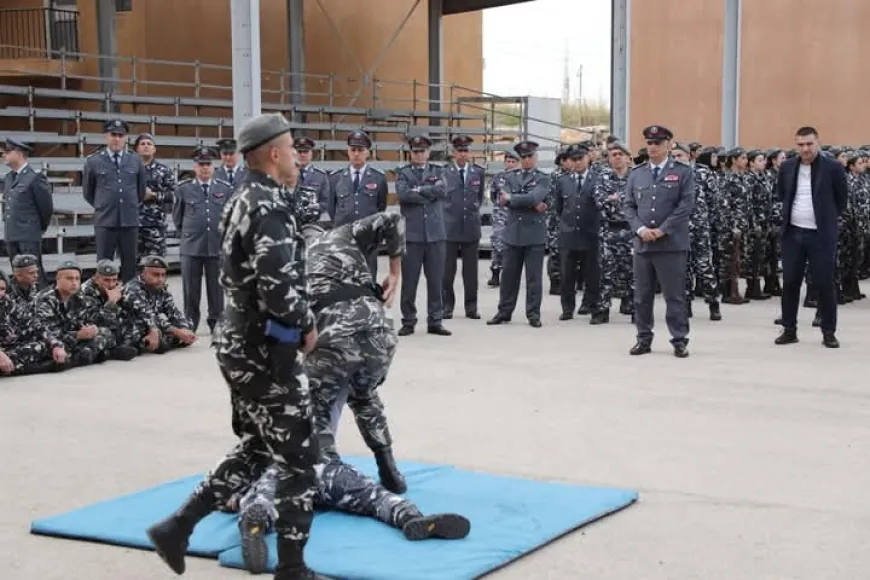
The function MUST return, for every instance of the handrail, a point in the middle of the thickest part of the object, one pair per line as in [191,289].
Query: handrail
[46,31]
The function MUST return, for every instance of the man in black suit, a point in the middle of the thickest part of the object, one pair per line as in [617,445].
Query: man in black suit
[813,192]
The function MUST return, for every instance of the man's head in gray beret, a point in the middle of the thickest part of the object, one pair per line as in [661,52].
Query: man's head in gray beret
[267,144]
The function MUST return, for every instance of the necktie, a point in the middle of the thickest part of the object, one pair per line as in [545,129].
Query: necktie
[656,173]
[418,171]
[230,175]
[205,189]
[117,159]
[462,176]
[356,181]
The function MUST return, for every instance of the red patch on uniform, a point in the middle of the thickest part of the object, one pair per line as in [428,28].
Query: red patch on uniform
[218,195]
[671,178]
[431,179]
[475,182]
[371,185]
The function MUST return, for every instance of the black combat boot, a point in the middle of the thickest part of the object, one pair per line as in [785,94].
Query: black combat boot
[772,287]
[390,476]
[84,357]
[625,306]
[494,281]
[291,565]
[555,287]
[170,536]
[441,526]
[123,353]
[253,527]
[600,317]
[715,311]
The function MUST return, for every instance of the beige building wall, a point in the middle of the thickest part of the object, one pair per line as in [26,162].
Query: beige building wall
[801,65]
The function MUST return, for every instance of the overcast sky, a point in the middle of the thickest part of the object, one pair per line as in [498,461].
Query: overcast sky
[518,63]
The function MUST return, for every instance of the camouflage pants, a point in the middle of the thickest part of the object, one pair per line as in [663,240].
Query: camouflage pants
[152,241]
[729,262]
[499,216]
[617,269]
[99,345]
[25,354]
[359,362]
[271,415]
[340,487]
[553,272]
[699,270]
[772,252]
[752,254]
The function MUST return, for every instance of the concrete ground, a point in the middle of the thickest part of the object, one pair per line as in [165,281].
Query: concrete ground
[751,460]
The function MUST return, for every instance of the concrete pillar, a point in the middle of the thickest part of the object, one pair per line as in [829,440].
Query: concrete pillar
[245,24]
[436,58]
[296,28]
[731,74]
[620,69]
[107,46]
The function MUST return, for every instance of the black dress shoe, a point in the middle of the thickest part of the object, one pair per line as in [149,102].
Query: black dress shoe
[497,319]
[473,315]
[438,330]
[566,316]
[448,315]
[600,317]
[625,307]
[406,330]
[787,336]
[584,310]
[778,321]
[817,321]
[715,312]
[640,348]
[681,350]
[535,323]
[830,340]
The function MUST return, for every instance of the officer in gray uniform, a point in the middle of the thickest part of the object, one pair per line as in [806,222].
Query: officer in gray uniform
[524,195]
[465,184]
[231,170]
[659,198]
[28,205]
[309,175]
[421,190]
[197,215]
[357,191]
[114,184]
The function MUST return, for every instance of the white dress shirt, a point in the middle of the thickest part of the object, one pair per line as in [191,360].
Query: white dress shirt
[802,213]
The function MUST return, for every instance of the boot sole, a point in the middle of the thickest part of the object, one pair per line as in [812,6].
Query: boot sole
[179,569]
[253,526]
[441,526]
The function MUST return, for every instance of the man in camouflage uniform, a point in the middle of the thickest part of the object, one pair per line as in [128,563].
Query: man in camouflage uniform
[699,266]
[61,309]
[106,307]
[617,269]
[760,200]
[159,186]
[499,216]
[553,272]
[24,345]
[772,285]
[268,328]
[357,339]
[22,286]
[163,325]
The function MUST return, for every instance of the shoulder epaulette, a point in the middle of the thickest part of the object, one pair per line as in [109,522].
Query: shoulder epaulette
[644,164]
[317,169]
[401,167]
[95,153]
[681,162]
[478,166]
[337,171]
[376,170]
[184,182]
[223,182]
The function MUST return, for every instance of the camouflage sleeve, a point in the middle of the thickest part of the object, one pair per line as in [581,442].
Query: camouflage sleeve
[170,316]
[370,231]
[141,310]
[306,207]
[279,262]
[54,332]
[167,188]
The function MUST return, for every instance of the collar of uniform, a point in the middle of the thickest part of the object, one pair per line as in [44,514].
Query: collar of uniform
[110,153]
[22,169]
[661,165]
[465,167]
[362,170]
[256,176]
[208,183]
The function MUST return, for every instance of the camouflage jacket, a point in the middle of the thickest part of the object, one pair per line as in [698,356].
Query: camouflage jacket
[18,323]
[153,308]
[775,218]
[61,321]
[116,316]
[761,199]
[551,201]
[337,261]
[262,264]
[304,204]
[707,187]
[734,203]
[19,294]
[608,185]
[159,179]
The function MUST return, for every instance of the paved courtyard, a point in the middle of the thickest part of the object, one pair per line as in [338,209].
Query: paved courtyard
[752,461]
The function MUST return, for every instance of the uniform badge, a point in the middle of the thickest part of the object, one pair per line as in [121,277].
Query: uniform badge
[371,185]
[671,177]
[217,195]
[475,182]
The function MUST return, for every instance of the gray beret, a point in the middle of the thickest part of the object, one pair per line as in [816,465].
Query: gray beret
[24,261]
[619,146]
[262,129]
[152,262]
[107,268]
[68,265]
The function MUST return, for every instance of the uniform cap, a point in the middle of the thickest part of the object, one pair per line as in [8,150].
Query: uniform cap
[461,142]
[735,153]
[511,155]
[203,154]
[359,139]
[419,142]
[577,151]
[304,144]
[226,145]
[143,137]
[262,129]
[694,146]
[681,147]
[526,148]
[107,268]
[116,126]
[16,145]
[24,261]
[619,146]
[657,133]
[68,265]
[611,139]
[754,153]
[153,262]
[773,152]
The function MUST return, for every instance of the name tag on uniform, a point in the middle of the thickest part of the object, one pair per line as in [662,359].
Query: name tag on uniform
[671,178]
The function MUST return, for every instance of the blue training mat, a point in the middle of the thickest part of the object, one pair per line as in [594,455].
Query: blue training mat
[510,517]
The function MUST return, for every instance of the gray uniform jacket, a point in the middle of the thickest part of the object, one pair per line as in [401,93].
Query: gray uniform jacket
[222,174]
[346,205]
[664,203]
[197,217]
[28,205]
[524,225]
[114,193]
[462,208]
[318,180]
[578,214]
[421,200]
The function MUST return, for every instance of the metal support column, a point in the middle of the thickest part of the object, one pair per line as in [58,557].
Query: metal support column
[731,74]
[620,69]
[107,42]
[436,60]
[295,28]
[245,23]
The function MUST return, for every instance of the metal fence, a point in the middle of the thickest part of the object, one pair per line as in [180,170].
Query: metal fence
[51,33]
